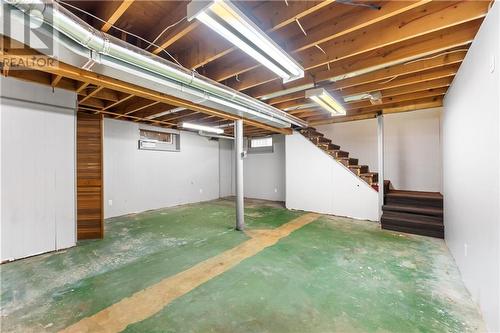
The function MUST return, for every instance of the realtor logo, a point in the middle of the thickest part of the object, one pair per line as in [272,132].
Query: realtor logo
[28,38]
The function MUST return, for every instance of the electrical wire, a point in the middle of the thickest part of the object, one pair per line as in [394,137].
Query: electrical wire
[125,31]
[352,3]
[422,59]
[300,26]
[319,48]
[165,30]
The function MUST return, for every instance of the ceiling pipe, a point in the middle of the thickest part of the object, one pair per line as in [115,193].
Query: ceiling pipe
[104,51]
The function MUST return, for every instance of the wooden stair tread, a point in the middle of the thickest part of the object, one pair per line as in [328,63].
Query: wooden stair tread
[414,194]
[358,166]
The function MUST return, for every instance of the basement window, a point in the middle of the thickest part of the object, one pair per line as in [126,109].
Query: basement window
[260,145]
[155,136]
[158,140]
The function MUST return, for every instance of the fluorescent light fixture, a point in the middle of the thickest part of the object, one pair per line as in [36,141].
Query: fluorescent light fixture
[321,97]
[202,128]
[227,20]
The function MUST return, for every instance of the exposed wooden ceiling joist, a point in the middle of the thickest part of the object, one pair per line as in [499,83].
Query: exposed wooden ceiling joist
[344,25]
[436,61]
[413,24]
[346,49]
[269,18]
[420,47]
[116,13]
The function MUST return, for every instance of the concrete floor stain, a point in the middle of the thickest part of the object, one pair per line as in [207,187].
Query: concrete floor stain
[335,274]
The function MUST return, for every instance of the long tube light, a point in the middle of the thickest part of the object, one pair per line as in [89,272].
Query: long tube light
[202,128]
[227,20]
[321,97]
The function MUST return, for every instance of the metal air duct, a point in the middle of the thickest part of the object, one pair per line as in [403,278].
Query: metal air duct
[83,46]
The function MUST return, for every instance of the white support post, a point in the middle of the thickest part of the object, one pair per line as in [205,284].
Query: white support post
[380,143]
[238,141]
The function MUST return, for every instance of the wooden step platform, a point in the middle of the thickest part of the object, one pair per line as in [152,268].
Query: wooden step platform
[414,212]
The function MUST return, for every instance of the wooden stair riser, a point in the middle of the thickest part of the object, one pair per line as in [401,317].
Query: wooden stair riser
[347,161]
[415,231]
[359,169]
[339,153]
[414,209]
[413,201]
[332,146]
[370,178]
[414,212]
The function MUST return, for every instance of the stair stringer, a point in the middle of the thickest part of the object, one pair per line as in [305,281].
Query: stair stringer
[316,182]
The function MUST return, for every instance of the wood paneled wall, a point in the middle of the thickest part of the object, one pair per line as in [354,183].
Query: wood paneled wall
[89,170]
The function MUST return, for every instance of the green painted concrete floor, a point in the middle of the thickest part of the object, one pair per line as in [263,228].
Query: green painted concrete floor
[333,275]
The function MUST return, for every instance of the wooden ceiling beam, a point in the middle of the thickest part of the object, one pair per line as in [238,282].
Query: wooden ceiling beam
[172,28]
[120,100]
[430,19]
[401,107]
[432,74]
[420,90]
[335,27]
[82,86]
[92,102]
[105,94]
[190,117]
[90,94]
[138,106]
[178,115]
[273,15]
[116,13]
[433,17]
[408,105]
[266,16]
[42,78]
[422,47]
[55,80]
[424,78]
[350,22]
[400,98]
[456,57]
[110,113]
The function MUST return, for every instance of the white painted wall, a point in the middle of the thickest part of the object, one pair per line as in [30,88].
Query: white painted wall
[226,168]
[316,182]
[37,169]
[471,168]
[264,173]
[412,145]
[138,180]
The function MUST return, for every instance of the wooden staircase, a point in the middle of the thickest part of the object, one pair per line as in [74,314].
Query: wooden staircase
[414,212]
[362,171]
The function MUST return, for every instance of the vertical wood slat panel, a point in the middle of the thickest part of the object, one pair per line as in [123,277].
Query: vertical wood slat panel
[89,170]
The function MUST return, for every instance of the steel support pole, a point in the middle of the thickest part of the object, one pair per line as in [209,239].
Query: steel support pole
[238,142]
[380,144]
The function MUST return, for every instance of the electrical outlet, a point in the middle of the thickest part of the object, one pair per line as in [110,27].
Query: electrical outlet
[465,249]
[275,190]
[110,202]
[492,64]
[201,190]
